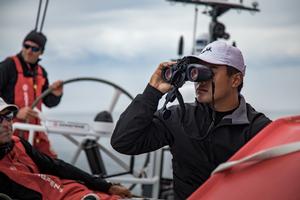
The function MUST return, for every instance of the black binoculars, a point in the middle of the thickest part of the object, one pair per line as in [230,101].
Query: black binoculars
[186,69]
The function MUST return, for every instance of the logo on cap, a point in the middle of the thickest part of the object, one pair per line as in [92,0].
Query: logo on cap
[206,49]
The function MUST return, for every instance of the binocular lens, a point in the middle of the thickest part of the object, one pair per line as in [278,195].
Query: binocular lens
[198,73]
[167,74]
[194,73]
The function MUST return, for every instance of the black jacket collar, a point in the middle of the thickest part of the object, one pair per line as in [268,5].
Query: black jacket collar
[6,148]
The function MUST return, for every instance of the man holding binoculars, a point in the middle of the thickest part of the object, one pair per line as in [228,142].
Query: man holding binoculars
[215,126]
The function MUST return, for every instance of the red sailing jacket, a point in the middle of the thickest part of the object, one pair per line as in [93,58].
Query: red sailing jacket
[28,88]
[26,91]
[20,168]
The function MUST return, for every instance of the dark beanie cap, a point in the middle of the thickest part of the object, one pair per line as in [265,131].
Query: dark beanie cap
[37,37]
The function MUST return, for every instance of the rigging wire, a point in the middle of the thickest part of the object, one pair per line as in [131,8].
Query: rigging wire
[38,16]
[44,15]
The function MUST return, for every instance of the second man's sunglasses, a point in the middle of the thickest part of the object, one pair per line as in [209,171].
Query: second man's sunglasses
[33,49]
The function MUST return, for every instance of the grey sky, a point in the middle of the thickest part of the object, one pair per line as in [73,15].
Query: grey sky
[124,40]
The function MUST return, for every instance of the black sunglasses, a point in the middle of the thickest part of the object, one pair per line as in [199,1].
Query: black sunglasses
[7,117]
[33,49]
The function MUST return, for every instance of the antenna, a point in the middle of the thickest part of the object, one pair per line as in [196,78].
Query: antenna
[38,16]
[217,8]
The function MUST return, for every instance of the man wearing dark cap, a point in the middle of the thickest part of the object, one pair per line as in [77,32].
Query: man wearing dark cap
[22,79]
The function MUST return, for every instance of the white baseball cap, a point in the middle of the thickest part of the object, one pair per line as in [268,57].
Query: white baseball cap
[7,108]
[220,53]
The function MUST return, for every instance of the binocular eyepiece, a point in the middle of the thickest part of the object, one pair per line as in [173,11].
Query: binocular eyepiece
[184,70]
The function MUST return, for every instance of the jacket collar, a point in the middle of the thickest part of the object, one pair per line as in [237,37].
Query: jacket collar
[6,148]
[19,55]
[239,116]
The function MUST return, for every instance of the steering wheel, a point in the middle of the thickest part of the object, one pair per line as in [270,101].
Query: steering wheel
[118,91]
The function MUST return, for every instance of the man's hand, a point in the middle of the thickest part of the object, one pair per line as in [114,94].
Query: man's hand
[26,113]
[57,88]
[120,190]
[156,80]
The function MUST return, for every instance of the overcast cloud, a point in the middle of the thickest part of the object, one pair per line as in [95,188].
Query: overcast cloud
[124,40]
